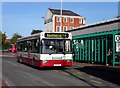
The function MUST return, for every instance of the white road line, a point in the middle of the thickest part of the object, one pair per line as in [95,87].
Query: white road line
[37,78]
[7,81]
[12,63]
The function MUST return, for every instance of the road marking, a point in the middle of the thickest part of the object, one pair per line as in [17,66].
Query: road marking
[114,86]
[81,77]
[12,63]
[7,81]
[31,76]
[95,81]
[78,72]
[92,77]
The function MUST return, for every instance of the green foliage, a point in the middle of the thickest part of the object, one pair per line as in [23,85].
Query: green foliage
[3,38]
[0,46]
[6,45]
[35,31]
[15,37]
[0,36]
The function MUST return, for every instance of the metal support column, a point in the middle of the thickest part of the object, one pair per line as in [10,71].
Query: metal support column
[113,49]
[89,51]
[106,51]
[92,49]
[83,49]
[95,50]
[86,50]
[80,50]
[102,49]
[99,50]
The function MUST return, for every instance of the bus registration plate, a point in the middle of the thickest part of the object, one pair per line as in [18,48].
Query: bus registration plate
[57,64]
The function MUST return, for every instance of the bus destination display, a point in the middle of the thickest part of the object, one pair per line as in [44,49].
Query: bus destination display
[56,35]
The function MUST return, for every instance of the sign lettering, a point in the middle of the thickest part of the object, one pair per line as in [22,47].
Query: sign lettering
[56,35]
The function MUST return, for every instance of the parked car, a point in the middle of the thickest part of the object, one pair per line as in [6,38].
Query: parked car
[14,49]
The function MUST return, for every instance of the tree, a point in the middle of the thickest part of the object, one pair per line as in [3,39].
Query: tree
[0,37]
[15,37]
[0,40]
[35,31]
[3,38]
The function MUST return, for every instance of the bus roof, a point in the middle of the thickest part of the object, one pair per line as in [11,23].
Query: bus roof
[34,36]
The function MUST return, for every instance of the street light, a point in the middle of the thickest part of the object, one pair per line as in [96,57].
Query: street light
[61,16]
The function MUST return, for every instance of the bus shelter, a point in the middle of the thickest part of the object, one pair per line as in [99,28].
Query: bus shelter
[94,48]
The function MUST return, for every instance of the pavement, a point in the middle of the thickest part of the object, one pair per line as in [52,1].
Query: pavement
[97,66]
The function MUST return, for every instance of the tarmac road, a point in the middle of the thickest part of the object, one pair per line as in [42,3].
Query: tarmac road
[16,74]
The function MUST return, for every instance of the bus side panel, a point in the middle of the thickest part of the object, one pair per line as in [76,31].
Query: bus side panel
[49,63]
[68,64]
[38,63]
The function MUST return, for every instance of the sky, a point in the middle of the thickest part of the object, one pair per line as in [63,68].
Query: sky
[22,17]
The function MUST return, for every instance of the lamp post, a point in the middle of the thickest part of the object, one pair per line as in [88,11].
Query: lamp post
[61,15]
[43,23]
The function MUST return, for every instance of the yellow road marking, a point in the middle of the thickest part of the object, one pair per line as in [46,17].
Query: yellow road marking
[92,77]
[95,81]
[114,86]
[81,77]
[78,72]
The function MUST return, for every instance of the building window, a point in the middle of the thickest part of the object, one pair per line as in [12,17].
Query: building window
[57,28]
[80,21]
[83,21]
[58,19]
[65,28]
[71,20]
[65,19]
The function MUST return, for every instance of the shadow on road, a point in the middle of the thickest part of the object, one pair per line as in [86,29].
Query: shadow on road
[98,71]
[50,68]
[46,68]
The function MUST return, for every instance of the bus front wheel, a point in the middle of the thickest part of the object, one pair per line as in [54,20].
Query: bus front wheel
[33,63]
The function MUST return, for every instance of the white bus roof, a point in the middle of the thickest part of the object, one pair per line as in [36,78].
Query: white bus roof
[34,36]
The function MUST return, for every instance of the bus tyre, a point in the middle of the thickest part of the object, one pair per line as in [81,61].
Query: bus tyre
[20,60]
[33,63]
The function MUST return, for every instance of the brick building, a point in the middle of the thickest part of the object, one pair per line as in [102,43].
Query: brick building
[70,20]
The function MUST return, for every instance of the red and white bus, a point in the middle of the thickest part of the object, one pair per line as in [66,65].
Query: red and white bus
[46,49]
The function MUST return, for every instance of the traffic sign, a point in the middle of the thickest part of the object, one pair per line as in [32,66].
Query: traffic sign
[117,38]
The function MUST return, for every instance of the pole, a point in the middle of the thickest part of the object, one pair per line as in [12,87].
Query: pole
[61,16]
